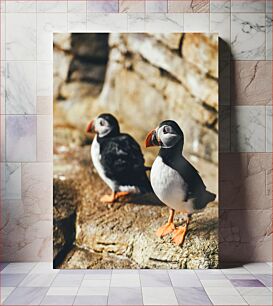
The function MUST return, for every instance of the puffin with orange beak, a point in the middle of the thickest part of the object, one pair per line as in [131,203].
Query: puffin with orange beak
[117,158]
[174,180]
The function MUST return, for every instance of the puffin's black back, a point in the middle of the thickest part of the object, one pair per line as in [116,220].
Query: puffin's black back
[123,162]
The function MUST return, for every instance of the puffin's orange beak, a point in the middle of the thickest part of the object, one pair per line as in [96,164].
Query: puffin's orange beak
[149,141]
[90,127]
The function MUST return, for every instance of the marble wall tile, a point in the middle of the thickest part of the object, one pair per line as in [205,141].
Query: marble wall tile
[78,6]
[3,138]
[3,5]
[156,6]
[58,6]
[20,36]
[244,181]
[44,138]
[252,83]
[269,6]
[131,6]
[24,235]
[268,128]
[238,235]
[44,105]
[36,239]
[248,6]
[188,6]
[100,22]
[103,6]
[136,22]
[171,22]
[224,128]
[20,87]
[3,87]
[12,174]
[248,36]
[220,23]
[2,184]
[37,192]
[269,182]
[3,36]
[268,23]
[248,129]
[11,231]
[77,22]
[196,22]
[20,138]
[21,6]
[44,78]
[47,23]
[220,6]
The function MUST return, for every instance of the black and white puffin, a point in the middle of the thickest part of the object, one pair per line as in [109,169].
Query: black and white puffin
[174,180]
[117,158]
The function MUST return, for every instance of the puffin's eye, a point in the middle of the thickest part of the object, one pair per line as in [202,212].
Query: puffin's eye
[101,122]
[166,130]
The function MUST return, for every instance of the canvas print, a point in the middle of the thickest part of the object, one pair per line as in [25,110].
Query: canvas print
[135,151]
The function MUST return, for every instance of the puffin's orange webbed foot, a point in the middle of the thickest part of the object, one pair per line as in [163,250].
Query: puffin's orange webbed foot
[165,229]
[113,197]
[108,198]
[121,194]
[179,234]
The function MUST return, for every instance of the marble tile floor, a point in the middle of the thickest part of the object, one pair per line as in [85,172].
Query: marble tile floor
[39,284]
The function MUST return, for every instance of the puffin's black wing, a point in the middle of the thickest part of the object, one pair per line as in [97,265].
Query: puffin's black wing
[123,162]
[196,187]
[191,176]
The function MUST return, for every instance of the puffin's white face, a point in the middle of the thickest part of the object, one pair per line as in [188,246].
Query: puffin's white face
[167,136]
[102,126]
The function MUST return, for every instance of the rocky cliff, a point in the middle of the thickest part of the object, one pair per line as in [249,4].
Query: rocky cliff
[121,235]
[143,79]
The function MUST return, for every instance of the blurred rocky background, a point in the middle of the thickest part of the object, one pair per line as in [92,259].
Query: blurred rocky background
[142,79]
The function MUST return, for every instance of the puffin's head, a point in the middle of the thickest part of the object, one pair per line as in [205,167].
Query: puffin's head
[167,135]
[104,125]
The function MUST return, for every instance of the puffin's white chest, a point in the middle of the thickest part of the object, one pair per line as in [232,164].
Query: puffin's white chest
[96,157]
[168,185]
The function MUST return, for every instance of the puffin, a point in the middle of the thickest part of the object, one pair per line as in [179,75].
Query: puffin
[174,179]
[118,159]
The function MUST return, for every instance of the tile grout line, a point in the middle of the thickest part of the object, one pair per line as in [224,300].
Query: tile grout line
[175,294]
[265,132]
[78,288]
[36,6]
[204,286]
[107,300]
[141,287]
[86,13]
[266,43]
[5,81]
